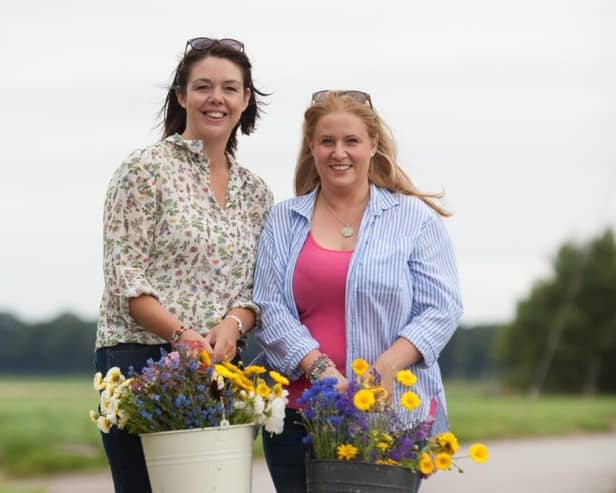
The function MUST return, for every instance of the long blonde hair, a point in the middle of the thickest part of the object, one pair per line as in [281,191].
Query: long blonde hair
[384,170]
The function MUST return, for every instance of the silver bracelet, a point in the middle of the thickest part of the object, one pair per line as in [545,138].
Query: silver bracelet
[240,325]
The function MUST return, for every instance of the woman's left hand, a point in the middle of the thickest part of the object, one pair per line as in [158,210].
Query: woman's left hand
[384,366]
[223,339]
[401,354]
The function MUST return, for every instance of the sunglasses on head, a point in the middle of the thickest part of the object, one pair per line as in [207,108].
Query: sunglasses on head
[205,43]
[359,96]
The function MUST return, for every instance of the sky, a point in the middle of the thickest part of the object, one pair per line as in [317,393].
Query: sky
[507,107]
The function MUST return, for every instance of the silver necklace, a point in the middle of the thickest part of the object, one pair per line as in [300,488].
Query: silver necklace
[347,230]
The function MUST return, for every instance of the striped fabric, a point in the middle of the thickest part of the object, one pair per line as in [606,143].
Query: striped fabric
[402,282]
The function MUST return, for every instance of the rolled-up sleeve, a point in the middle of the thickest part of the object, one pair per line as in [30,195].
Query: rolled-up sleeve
[437,304]
[129,223]
[284,339]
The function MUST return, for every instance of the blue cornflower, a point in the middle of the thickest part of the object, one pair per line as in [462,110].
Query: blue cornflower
[181,400]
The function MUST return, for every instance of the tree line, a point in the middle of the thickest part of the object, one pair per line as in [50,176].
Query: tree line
[65,344]
[562,337]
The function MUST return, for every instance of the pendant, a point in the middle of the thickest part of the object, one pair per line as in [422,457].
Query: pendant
[347,231]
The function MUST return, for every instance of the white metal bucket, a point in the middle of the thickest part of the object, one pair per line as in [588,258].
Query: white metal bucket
[201,460]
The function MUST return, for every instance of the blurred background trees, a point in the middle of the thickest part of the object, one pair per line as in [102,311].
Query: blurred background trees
[563,336]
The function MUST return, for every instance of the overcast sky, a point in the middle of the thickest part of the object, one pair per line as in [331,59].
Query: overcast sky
[510,107]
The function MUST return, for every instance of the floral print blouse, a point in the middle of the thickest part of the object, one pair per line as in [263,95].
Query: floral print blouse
[165,235]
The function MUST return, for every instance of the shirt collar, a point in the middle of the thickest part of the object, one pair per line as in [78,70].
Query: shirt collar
[195,147]
[380,200]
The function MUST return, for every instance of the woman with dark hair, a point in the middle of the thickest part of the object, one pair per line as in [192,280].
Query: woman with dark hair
[181,224]
[358,265]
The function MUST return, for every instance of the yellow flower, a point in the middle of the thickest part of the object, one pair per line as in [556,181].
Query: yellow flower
[382,446]
[277,390]
[426,466]
[251,370]
[379,392]
[204,358]
[448,442]
[232,367]
[387,462]
[346,451]
[223,372]
[360,366]
[278,378]
[406,378]
[262,389]
[410,400]
[443,461]
[386,437]
[479,452]
[244,383]
[363,399]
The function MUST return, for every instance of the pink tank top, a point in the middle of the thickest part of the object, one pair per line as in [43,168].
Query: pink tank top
[319,287]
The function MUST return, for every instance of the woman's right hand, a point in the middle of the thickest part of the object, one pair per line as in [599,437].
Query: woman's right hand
[193,337]
[332,372]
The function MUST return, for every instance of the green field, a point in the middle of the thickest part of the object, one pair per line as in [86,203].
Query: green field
[45,428]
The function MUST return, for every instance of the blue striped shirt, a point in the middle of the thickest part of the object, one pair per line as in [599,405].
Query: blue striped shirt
[402,282]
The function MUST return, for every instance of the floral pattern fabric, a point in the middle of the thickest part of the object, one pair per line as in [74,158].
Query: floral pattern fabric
[165,235]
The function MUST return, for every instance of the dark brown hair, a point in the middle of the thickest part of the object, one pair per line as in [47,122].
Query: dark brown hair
[173,116]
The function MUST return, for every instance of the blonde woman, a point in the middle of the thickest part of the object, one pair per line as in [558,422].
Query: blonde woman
[358,265]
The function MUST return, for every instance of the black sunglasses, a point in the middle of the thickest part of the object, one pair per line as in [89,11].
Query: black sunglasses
[359,96]
[205,43]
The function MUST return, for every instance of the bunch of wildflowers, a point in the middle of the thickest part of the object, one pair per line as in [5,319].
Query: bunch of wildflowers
[185,390]
[360,424]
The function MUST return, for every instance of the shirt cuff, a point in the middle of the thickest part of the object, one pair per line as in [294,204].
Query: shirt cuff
[415,334]
[291,362]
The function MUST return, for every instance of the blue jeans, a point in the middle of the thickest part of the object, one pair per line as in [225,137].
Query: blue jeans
[285,455]
[123,450]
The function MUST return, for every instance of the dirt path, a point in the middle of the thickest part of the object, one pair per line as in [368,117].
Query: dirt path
[577,464]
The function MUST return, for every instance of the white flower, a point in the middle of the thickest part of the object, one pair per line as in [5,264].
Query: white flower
[274,423]
[114,377]
[105,402]
[98,381]
[104,424]
[258,404]
[93,416]
[239,404]
[121,418]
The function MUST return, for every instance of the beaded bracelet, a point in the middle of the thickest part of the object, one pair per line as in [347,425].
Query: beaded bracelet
[317,367]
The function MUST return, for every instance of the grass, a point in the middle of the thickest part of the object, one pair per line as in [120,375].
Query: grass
[476,413]
[45,427]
